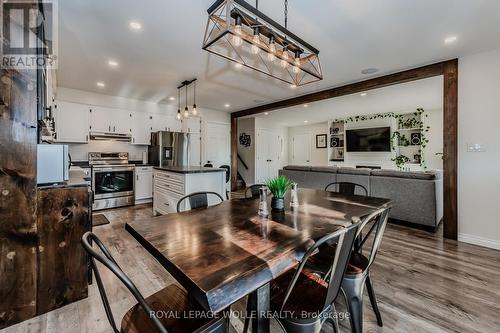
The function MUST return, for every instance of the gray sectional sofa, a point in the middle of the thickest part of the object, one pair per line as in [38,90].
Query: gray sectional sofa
[417,196]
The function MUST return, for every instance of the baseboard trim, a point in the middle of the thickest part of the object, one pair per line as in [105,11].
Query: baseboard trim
[481,241]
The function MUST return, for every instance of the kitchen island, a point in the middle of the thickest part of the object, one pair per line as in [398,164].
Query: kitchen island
[172,183]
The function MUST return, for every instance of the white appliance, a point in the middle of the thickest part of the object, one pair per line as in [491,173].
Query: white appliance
[53,162]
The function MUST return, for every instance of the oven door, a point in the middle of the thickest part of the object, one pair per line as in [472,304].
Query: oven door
[112,182]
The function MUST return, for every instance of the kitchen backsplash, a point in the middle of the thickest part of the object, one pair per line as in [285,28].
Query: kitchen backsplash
[79,152]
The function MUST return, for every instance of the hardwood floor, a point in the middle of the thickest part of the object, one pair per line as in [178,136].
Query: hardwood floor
[423,284]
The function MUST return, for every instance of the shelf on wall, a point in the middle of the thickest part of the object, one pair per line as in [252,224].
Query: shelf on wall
[409,129]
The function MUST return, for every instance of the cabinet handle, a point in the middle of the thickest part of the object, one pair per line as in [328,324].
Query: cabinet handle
[109,128]
[166,204]
[86,138]
[137,177]
[114,130]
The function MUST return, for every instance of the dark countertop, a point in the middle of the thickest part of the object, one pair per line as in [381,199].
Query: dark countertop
[190,169]
[76,179]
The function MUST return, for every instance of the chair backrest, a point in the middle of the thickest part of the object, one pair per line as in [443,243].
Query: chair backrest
[345,239]
[228,172]
[378,222]
[208,165]
[197,200]
[252,191]
[107,260]
[346,188]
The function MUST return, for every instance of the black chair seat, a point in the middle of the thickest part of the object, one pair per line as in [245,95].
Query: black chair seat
[307,297]
[175,306]
[358,263]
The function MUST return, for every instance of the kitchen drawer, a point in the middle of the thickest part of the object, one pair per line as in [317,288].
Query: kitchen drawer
[169,186]
[161,175]
[144,169]
[165,202]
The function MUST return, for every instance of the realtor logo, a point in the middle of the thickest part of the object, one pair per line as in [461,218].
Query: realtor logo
[28,32]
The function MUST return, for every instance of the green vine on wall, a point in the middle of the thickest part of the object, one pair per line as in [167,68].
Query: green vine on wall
[398,139]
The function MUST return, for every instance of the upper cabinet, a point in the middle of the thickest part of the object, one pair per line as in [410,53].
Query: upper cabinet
[142,123]
[72,122]
[109,120]
[164,122]
[191,125]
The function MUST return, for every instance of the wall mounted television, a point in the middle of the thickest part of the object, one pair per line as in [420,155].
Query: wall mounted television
[377,139]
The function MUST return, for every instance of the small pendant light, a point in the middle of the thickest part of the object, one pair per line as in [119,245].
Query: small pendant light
[178,116]
[186,110]
[194,112]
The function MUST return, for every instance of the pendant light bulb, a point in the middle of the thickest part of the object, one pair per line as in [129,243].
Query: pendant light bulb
[194,111]
[296,69]
[186,112]
[272,44]
[237,41]
[178,115]
[256,41]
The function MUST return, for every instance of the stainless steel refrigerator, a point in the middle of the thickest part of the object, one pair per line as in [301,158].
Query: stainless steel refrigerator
[169,149]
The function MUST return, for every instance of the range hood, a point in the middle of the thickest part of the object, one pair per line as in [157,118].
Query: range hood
[110,136]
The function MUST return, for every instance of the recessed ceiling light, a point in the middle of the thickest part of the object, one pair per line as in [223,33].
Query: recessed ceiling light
[238,65]
[227,105]
[450,39]
[113,63]
[293,86]
[266,113]
[134,25]
[306,121]
[368,71]
[171,98]
[363,94]
[306,105]
[100,84]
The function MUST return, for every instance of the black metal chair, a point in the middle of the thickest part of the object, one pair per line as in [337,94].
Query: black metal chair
[197,200]
[347,188]
[252,191]
[304,300]
[228,177]
[358,270]
[170,300]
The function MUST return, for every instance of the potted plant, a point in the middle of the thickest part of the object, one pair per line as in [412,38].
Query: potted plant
[278,187]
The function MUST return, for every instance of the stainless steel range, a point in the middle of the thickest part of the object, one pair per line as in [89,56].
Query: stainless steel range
[113,180]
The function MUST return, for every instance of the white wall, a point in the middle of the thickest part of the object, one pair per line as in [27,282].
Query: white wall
[79,151]
[479,173]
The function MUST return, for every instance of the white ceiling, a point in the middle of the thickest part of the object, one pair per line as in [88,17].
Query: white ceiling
[401,98]
[351,35]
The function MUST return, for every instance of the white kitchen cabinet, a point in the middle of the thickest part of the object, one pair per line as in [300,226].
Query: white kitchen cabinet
[109,120]
[169,187]
[72,122]
[191,125]
[195,149]
[122,121]
[143,183]
[160,122]
[142,123]
[174,124]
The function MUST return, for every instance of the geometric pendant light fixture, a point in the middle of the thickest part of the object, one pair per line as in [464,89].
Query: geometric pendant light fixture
[241,33]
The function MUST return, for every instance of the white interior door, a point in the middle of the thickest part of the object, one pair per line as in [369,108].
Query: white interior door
[268,154]
[216,144]
[301,149]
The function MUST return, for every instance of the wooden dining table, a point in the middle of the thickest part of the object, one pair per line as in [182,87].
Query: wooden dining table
[223,253]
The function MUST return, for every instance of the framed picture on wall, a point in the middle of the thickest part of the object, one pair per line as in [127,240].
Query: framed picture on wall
[321,141]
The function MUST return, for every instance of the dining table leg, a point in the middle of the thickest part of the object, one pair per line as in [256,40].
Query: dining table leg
[260,305]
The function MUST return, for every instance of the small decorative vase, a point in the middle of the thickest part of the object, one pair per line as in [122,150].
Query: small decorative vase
[277,204]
